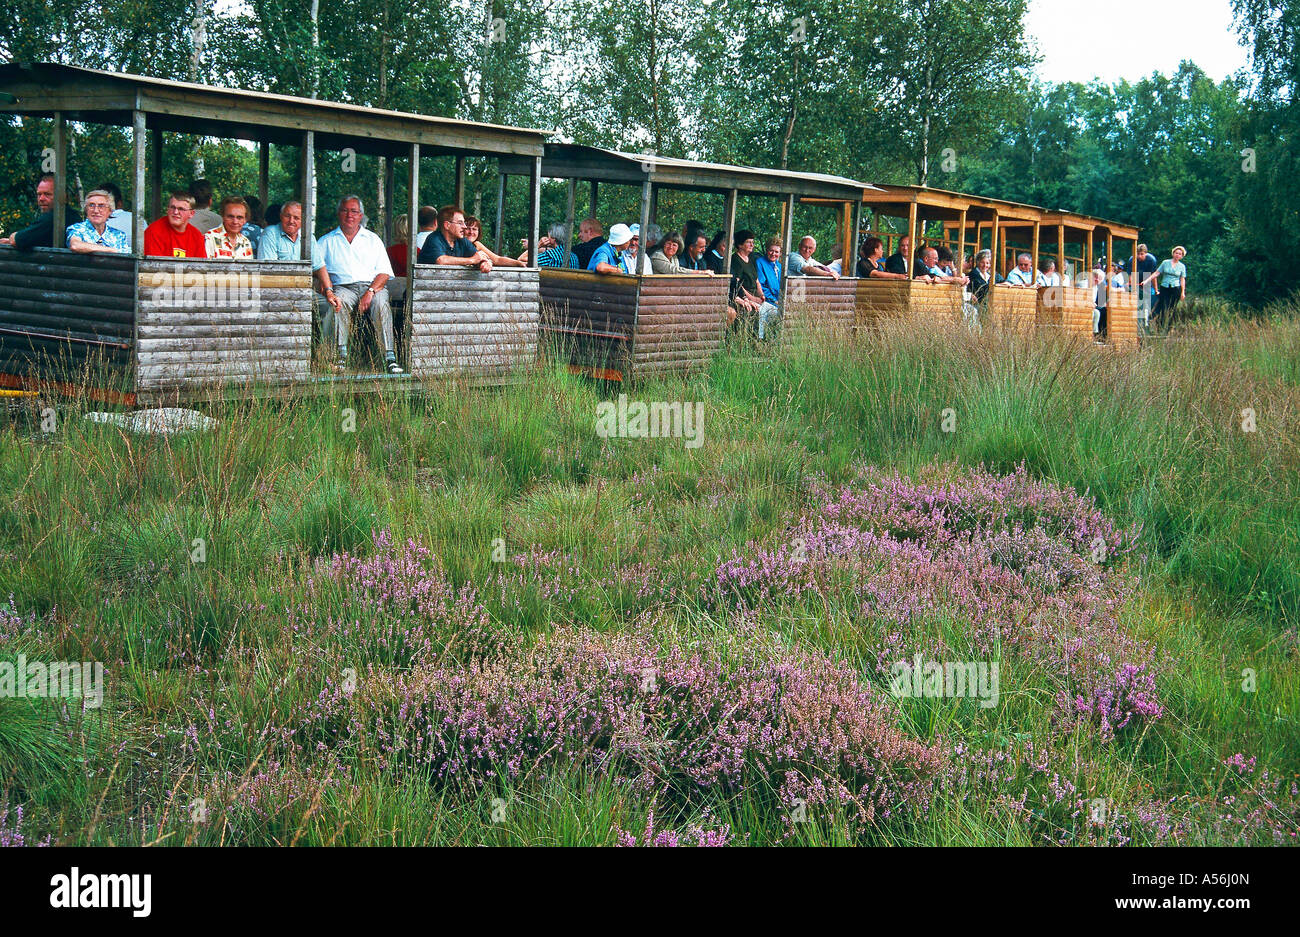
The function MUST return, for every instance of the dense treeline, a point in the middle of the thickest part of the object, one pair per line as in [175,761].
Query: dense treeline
[932,91]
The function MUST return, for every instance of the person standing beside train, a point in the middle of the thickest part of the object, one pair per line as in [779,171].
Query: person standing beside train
[1171,277]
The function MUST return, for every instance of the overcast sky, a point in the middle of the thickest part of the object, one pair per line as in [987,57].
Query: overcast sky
[1096,38]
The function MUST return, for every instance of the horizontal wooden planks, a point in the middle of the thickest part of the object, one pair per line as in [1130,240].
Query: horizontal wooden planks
[1122,319]
[1013,308]
[680,322]
[472,323]
[60,310]
[204,323]
[591,316]
[818,303]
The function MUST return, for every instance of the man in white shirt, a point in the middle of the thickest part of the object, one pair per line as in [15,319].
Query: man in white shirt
[802,264]
[355,269]
[1023,275]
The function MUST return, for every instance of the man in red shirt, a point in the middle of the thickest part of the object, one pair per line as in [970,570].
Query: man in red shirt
[172,235]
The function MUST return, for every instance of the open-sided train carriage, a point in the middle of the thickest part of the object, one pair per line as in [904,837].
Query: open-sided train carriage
[158,328]
[616,327]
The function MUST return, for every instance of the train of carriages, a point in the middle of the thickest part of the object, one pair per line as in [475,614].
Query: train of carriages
[130,329]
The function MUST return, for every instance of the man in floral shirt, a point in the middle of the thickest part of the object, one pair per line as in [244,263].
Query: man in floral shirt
[229,242]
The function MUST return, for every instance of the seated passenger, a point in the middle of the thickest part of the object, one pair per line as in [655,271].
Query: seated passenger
[769,271]
[354,271]
[713,258]
[283,241]
[228,242]
[1023,275]
[428,219]
[982,275]
[692,259]
[802,264]
[551,248]
[401,241]
[1047,275]
[897,262]
[606,259]
[665,260]
[254,223]
[946,261]
[41,232]
[172,235]
[94,236]
[590,237]
[632,260]
[836,266]
[928,268]
[872,264]
[449,247]
[120,218]
[746,292]
[473,231]
[205,219]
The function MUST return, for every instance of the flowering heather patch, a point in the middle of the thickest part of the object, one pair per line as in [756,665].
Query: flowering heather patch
[1025,567]
[12,835]
[796,725]
[693,834]
[394,607]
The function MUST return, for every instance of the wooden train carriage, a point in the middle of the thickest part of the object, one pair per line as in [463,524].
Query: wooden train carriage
[467,323]
[673,322]
[878,300]
[615,327]
[159,328]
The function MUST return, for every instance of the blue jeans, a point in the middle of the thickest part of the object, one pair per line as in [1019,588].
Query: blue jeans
[766,313]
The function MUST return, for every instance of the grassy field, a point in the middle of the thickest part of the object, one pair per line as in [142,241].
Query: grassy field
[463,617]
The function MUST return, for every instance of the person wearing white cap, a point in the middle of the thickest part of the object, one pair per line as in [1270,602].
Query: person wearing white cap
[606,258]
[628,260]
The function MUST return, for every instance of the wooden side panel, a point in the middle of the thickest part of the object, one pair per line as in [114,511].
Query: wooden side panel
[481,325]
[879,300]
[1122,319]
[819,303]
[206,323]
[1013,308]
[1067,309]
[680,322]
[63,313]
[934,302]
[590,318]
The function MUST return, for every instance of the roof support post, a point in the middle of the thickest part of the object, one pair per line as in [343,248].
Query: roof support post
[570,198]
[997,254]
[501,209]
[729,221]
[1037,246]
[534,209]
[1110,253]
[1060,250]
[156,175]
[307,177]
[390,202]
[140,152]
[787,238]
[647,198]
[911,237]
[263,176]
[1087,257]
[849,244]
[60,180]
[459,199]
[413,207]
[961,245]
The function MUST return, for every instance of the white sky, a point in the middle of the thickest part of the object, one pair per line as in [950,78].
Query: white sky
[1080,41]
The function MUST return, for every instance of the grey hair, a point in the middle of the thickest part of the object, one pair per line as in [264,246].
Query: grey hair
[653,234]
[290,204]
[1020,257]
[360,204]
[112,203]
[559,231]
[984,253]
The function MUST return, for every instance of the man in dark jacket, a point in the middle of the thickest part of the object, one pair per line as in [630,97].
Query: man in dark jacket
[41,233]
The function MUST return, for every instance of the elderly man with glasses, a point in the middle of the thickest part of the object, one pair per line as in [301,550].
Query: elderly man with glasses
[94,236]
[1023,275]
[355,268]
[172,235]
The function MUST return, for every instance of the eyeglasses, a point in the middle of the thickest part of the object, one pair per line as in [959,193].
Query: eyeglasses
[351,211]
